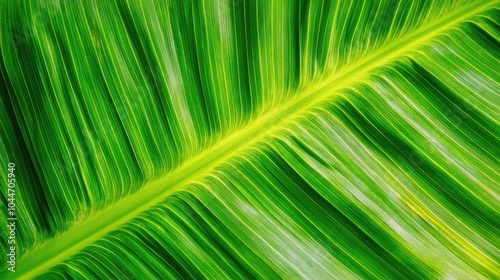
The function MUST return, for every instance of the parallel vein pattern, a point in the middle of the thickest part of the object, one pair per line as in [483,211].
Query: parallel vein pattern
[326,139]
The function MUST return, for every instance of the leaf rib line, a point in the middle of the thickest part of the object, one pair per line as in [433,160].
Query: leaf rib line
[85,232]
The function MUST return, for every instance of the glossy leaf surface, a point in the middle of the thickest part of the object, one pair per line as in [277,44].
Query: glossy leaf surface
[229,139]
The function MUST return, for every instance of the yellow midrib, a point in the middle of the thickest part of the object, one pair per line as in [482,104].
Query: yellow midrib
[86,232]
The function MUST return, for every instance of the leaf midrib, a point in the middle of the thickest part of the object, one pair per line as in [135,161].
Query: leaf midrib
[88,231]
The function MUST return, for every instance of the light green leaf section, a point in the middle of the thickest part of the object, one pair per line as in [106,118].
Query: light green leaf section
[233,139]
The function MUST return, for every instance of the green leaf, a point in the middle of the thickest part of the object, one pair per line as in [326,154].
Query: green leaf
[229,139]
